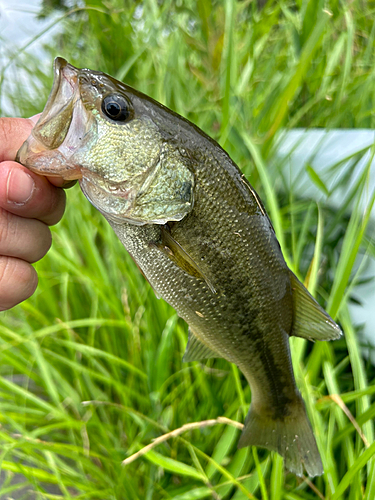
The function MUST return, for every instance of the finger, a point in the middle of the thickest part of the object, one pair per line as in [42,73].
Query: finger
[26,239]
[60,182]
[18,281]
[13,132]
[29,195]
[34,118]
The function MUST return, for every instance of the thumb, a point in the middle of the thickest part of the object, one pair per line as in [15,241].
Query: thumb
[34,118]
[13,133]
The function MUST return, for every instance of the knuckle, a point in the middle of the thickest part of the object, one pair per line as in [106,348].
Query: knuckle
[56,206]
[47,241]
[43,243]
[4,225]
[4,269]
[25,239]
[18,281]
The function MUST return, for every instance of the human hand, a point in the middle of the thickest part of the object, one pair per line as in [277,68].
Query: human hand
[29,204]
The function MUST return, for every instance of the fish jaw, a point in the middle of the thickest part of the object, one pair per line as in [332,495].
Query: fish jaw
[62,129]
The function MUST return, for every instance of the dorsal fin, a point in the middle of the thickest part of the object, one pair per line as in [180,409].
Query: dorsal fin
[196,350]
[310,321]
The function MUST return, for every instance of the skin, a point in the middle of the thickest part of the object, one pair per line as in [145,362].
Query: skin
[29,204]
[200,235]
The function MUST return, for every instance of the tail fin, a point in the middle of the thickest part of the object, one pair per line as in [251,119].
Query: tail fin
[291,436]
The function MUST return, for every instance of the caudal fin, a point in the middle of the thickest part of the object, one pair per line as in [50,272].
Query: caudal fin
[291,436]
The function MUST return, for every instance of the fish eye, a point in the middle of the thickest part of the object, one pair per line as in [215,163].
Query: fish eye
[116,107]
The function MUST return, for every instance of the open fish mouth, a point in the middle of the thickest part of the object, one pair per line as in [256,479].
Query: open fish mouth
[56,118]
[63,120]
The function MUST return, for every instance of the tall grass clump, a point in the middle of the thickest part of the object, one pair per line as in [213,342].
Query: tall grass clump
[90,366]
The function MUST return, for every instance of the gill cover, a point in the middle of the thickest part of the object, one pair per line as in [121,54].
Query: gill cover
[162,193]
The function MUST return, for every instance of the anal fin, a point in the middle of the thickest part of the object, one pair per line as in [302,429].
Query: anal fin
[310,320]
[197,350]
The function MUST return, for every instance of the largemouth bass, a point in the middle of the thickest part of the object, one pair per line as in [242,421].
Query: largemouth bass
[200,235]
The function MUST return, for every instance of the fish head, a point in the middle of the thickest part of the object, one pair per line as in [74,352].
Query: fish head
[109,137]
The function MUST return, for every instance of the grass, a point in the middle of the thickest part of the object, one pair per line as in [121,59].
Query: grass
[90,366]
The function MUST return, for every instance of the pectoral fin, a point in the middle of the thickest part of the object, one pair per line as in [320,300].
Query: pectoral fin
[310,321]
[196,350]
[181,258]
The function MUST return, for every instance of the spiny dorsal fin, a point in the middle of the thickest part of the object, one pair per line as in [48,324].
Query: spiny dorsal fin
[310,321]
[196,350]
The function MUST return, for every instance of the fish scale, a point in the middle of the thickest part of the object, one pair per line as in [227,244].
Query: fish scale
[200,235]
[219,311]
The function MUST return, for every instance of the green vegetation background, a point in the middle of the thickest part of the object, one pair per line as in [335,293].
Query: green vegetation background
[90,366]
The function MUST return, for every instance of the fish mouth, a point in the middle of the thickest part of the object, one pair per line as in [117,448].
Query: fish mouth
[44,151]
[55,120]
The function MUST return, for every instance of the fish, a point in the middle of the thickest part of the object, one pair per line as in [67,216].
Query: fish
[200,235]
